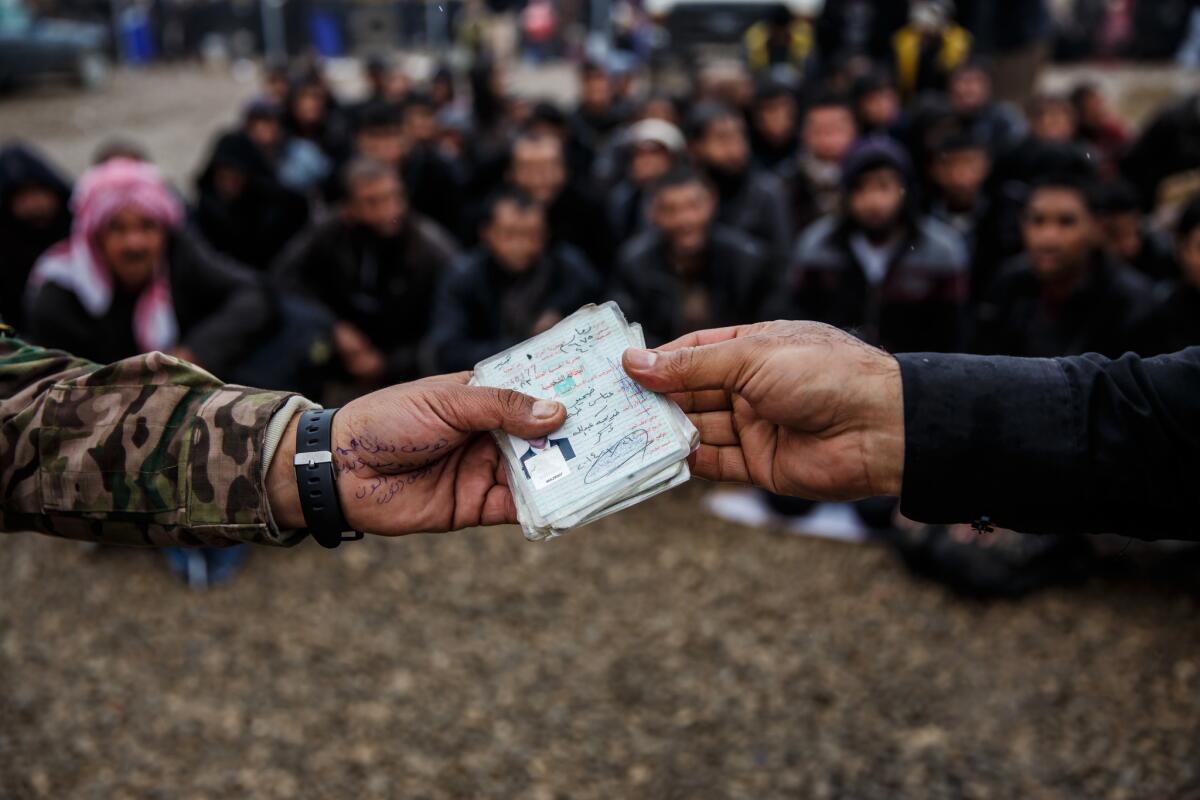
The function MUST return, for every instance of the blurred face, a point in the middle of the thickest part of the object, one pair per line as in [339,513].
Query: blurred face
[970,91]
[876,202]
[1093,109]
[1055,122]
[723,146]
[515,237]
[229,182]
[648,162]
[36,206]
[276,88]
[683,214]
[1059,233]
[378,205]
[659,108]
[420,124]
[880,108]
[538,168]
[1123,234]
[959,176]
[385,144]
[308,107]
[776,119]
[829,133]
[1189,257]
[266,133]
[596,92]
[131,245]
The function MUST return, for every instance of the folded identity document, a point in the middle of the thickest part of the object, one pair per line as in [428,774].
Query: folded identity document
[620,445]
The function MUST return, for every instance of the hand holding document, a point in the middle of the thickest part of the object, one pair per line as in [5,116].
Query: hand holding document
[620,444]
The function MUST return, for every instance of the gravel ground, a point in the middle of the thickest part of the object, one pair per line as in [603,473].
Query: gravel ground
[657,654]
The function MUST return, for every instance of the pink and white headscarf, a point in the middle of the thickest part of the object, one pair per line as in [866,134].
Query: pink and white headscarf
[75,264]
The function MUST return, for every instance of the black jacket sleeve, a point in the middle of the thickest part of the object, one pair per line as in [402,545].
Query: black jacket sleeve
[1071,445]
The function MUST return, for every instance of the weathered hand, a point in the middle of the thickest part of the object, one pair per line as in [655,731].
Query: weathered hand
[415,457]
[798,408]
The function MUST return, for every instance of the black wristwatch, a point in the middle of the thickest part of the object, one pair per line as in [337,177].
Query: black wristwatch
[316,482]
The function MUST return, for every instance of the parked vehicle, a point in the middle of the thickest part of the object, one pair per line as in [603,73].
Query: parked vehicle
[32,47]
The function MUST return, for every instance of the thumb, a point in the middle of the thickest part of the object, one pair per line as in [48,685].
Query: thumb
[480,408]
[688,369]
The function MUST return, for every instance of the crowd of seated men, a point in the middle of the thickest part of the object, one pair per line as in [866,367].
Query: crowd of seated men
[334,245]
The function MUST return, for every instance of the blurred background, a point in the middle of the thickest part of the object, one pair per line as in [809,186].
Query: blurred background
[376,190]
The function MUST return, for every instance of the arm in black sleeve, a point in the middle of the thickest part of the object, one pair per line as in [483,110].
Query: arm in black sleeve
[1071,445]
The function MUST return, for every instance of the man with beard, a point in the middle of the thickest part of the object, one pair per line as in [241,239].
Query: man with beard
[385,134]
[131,278]
[375,268]
[514,285]
[688,273]
[574,217]
[1065,295]
[34,214]
[750,199]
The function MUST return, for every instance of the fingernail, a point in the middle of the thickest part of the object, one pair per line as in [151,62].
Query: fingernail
[545,409]
[641,359]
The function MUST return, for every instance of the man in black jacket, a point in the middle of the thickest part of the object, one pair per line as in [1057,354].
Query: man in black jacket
[1172,322]
[1064,295]
[375,267]
[879,266]
[688,272]
[514,285]
[574,216]
[749,199]
[1071,445]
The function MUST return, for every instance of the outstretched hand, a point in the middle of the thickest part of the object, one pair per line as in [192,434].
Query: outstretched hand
[798,408]
[416,458]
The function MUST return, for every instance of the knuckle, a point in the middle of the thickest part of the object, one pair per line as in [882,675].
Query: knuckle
[512,404]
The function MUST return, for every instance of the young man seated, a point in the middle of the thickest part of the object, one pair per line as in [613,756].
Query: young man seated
[688,272]
[131,278]
[574,216]
[650,149]
[512,286]
[958,174]
[1065,294]
[374,266]
[813,178]
[1129,238]
[1172,322]
[899,279]
[749,199]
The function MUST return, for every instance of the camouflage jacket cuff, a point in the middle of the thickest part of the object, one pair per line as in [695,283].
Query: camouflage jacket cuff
[149,450]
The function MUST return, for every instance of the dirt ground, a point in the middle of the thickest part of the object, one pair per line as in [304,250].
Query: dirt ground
[657,654]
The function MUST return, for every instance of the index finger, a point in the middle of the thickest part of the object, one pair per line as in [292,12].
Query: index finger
[710,336]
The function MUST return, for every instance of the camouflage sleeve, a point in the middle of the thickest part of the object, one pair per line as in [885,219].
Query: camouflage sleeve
[147,451]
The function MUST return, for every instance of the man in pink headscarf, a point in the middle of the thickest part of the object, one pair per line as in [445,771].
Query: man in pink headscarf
[132,279]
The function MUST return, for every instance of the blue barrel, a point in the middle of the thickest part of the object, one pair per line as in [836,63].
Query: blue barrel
[326,34]
[137,40]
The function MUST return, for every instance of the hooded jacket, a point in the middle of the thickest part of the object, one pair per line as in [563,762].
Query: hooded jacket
[920,304]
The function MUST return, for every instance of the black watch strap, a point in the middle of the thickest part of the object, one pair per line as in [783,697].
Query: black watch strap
[315,479]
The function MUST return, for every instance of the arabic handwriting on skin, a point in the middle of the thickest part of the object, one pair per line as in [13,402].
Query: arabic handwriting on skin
[613,458]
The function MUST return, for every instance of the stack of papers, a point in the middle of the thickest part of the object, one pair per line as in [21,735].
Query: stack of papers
[620,445]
